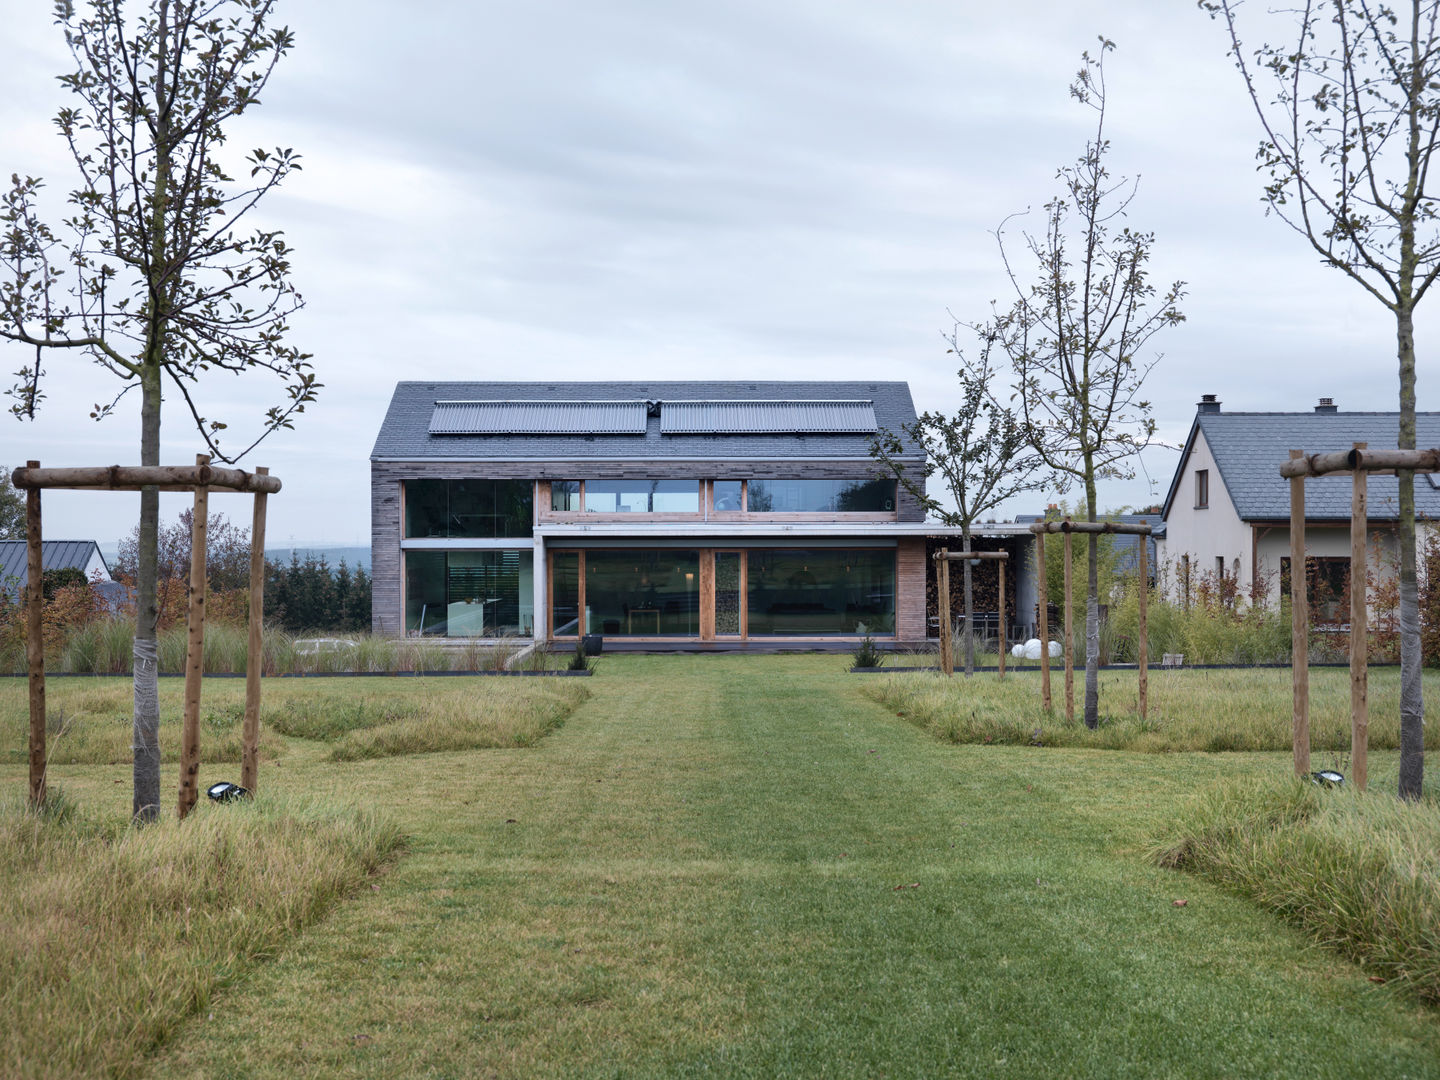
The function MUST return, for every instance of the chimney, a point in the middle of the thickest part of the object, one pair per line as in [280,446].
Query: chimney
[1207,404]
[1327,405]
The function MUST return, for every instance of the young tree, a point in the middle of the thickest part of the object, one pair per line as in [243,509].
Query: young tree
[982,453]
[12,509]
[1074,337]
[156,275]
[1347,144]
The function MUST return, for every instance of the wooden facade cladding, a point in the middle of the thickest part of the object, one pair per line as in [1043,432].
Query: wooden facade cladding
[910,572]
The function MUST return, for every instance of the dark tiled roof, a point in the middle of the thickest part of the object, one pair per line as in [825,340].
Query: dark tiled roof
[1249,449]
[54,554]
[405,432]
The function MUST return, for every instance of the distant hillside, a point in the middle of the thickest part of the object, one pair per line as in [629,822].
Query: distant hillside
[353,556]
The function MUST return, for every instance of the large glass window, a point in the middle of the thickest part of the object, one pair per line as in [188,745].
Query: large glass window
[454,509]
[469,593]
[642,496]
[820,496]
[819,592]
[642,593]
[728,494]
[564,494]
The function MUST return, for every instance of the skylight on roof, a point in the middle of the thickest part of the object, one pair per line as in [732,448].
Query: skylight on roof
[538,418]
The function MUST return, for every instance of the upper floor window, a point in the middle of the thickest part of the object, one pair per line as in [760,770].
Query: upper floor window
[642,496]
[564,494]
[453,509]
[1202,488]
[820,496]
[729,494]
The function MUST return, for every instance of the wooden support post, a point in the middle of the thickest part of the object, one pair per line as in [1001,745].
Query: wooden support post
[1359,705]
[1042,590]
[35,640]
[1002,618]
[942,583]
[1299,627]
[254,656]
[194,651]
[1069,642]
[707,594]
[1142,646]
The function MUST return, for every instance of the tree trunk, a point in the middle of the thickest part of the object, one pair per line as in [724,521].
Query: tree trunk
[1412,702]
[1092,609]
[969,608]
[146,740]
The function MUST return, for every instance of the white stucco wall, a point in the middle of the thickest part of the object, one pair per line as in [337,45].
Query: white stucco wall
[1203,532]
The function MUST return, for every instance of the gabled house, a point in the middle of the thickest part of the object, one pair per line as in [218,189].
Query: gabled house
[82,555]
[656,512]
[1227,513]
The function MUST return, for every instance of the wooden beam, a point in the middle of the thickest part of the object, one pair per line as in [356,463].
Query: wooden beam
[1042,590]
[1002,617]
[1359,705]
[1360,457]
[707,594]
[35,641]
[134,477]
[1067,526]
[194,652]
[254,654]
[1299,627]
[961,556]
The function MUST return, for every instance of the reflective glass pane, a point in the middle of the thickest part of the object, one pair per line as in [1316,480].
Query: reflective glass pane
[781,496]
[455,509]
[643,593]
[470,593]
[727,495]
[565,593]
[424,592]
[819,592]
[564,494]
[642,496]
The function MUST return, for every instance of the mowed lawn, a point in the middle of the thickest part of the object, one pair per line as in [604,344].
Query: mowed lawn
[743,866]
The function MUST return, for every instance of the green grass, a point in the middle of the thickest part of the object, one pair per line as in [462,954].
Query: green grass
[1357,871]
[1208,710]
[744,866]
[89,720]
[110,936]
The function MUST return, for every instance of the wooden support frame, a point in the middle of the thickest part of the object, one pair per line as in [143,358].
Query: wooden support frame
[1067,528]
[1360,461]
[943,558]
[200,478]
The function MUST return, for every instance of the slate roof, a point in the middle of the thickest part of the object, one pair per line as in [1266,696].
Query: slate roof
[1250,447]
[54,554]
[405,433]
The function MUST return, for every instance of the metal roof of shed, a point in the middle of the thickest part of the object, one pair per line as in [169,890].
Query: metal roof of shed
[766,416]
[512,417]
[54,555]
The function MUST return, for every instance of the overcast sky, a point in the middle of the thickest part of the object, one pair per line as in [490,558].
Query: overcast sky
[650,189]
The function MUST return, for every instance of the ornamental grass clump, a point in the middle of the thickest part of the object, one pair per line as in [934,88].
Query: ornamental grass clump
[1358,872]
[111,936]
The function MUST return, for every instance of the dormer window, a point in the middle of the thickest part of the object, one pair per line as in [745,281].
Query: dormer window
[1202,489]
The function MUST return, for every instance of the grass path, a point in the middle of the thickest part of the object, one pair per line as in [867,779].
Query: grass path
[698,875]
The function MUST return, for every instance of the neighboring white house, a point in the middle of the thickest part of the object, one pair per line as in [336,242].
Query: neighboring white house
[1227,514]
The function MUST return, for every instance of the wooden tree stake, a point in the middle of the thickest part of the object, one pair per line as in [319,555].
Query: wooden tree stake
[947,650]
[254,656]
[1299,626]
[35,641]
[1042,589]
[1069,640]
[1002,619]
[194,650]
[1142,647]
[1359,705]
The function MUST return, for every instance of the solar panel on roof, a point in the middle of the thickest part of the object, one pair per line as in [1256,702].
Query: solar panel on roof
[766,417]
[538,418]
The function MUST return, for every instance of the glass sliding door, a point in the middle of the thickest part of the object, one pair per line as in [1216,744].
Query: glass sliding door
[469,593]
[820,592]
[642,593]
[565,593]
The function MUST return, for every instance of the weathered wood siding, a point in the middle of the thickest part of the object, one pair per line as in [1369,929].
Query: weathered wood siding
[910,590]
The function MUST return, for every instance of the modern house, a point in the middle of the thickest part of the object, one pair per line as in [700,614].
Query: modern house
[1227,513]
[722,513]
